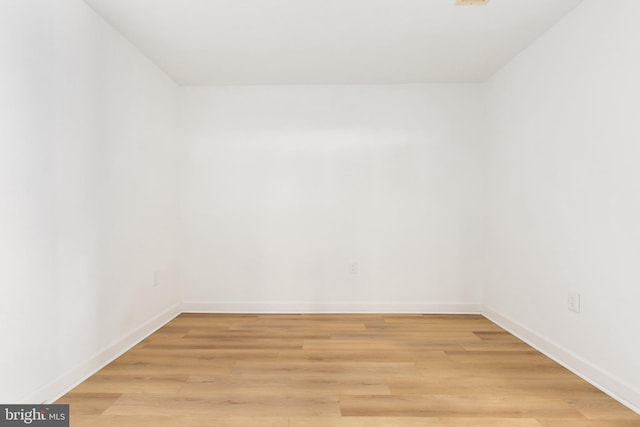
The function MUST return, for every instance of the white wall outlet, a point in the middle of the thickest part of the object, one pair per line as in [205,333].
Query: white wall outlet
[353,268]
[573,302]
[156,279]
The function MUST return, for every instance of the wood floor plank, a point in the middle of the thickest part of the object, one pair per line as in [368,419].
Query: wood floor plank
[588,423]
[552,387]
[84,403]
[175,421]
[446,372]
[228,343]
[128,384]
[226,357]
[225,405]
[338,370]
[457,406]
[525,358]
[373,344]
[411,422]
[296,385]
[601,407]
[362,354]
[325,369]
[151,370]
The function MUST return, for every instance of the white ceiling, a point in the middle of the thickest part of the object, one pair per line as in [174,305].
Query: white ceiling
[217,42]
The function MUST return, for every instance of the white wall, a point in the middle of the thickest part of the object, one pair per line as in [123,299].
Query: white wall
[87,195]
[285,186]
[564,181]
[27,226]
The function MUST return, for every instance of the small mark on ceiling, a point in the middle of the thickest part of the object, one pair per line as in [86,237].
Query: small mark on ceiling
[471,2]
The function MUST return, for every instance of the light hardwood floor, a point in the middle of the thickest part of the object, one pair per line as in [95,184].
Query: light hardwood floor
[352,370]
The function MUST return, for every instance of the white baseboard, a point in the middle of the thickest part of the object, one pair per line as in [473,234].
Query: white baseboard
[310,307]
[57,388]
[609,384]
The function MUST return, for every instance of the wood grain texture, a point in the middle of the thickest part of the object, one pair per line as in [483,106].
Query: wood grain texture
[338,370]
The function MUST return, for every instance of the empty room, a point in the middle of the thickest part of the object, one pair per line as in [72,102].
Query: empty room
[320,213]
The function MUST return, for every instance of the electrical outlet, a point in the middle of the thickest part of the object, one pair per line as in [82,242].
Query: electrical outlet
[156,279]
[573,302]
[353,268]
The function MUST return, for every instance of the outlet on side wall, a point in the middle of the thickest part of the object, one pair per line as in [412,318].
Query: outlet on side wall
[573,302]
[353,268]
